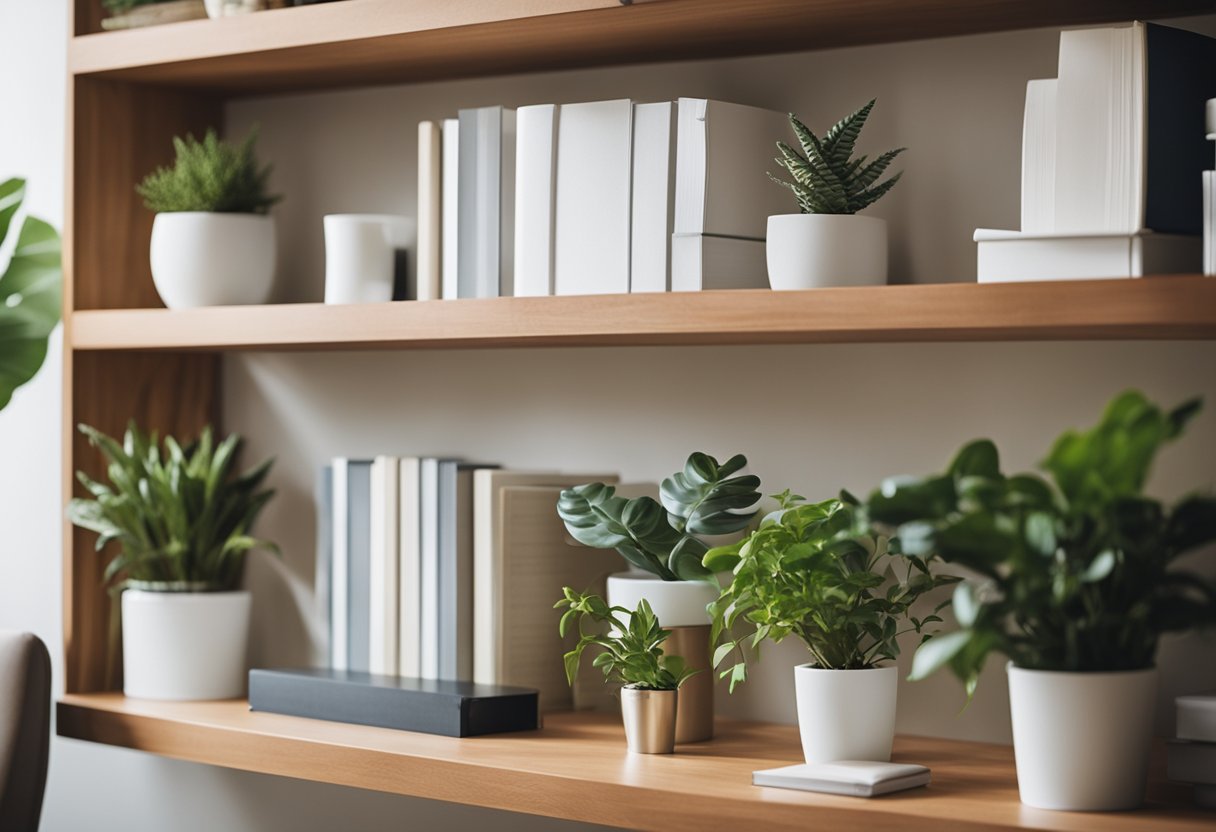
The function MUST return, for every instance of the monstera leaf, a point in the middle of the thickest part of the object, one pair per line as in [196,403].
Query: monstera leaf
[703,499]
[29,293]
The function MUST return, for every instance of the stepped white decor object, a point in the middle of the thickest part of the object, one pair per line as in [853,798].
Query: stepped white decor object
[808,251]
[361,255]
[201,258]
[1082,739]
[184,645]
[846,714]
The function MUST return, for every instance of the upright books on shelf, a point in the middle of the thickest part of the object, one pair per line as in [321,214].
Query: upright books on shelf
[535,174]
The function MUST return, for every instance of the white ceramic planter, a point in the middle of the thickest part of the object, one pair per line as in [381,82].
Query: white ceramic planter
[209,259]
[184,645]
[675,603]
[808,251]
[1082,739]
[846,714]
[225,8]
[361,255]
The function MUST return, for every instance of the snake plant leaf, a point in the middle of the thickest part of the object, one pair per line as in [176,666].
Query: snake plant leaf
[840,140]
[30,294]
[705,499]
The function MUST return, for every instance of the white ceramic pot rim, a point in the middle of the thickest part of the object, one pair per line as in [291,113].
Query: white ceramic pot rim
[1081,674]
[188,597]
[812,668]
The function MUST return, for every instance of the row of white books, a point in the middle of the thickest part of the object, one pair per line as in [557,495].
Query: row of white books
[1113,152]
[438,568]
[601,197]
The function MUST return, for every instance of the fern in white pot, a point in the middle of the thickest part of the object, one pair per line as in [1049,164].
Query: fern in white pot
[828,243]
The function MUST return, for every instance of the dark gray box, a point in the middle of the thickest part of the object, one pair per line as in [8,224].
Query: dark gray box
[453,709]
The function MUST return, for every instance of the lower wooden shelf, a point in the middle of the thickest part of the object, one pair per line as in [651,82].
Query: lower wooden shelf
[577,768]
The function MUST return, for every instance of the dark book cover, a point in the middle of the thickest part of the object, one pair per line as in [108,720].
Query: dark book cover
[431,706]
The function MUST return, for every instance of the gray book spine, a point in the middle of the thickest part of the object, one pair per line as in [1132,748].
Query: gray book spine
[325,555]
[480,203]
[359,537]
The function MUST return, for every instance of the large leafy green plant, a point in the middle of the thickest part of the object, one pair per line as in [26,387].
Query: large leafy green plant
[30,293]
[630,643]
[826,177]
[180,516]
[211,175]
[706,498]
[809,572]
[1075,567]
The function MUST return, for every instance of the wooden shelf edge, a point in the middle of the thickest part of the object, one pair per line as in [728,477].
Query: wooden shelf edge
[577,768]
[314,46]
[1163,308]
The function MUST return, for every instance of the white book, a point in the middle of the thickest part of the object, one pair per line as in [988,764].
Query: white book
[535,174]
[428,632]
[384,626]
[430,177]
[450,204]
[339,587]
[723,154]
[1197,717]
[594,175]
[847,777]
[1039,157]
[1209,222]
[490,628]
[654,146]
[1010,256]
[409,570]
[704,262]
[486,232]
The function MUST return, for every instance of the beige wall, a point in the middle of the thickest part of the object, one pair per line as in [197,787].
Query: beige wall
[811,417]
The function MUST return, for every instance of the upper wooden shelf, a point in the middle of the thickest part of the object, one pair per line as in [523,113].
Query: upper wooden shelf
[577,768]
[360,42]
[1176,307]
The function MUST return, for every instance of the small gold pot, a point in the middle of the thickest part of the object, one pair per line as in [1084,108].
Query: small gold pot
[650,720]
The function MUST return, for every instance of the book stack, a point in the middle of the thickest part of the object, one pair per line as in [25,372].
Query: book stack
[602,197]
[443,569]
[1112,157]
[1192,756]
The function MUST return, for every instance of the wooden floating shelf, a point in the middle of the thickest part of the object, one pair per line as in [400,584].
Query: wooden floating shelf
[388,41]
[577,768]
[1176,307]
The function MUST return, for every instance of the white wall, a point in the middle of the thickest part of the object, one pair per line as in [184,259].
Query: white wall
[813,417]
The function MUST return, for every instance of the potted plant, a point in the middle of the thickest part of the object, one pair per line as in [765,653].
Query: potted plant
[631,652]
[1075,588]
[827,243]
[808,572]
[181,520]
[133,14]
[213,242]
[665,542]
[30,293]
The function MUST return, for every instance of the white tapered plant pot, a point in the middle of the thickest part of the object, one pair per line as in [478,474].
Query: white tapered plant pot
[200,258]
[846,714]
[1082,739]
[184,645]
[680,608]
[810,251]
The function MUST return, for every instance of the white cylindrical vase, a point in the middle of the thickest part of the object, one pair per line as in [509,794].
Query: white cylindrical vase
[1082,740]
[184,645]
[361,256]
[201,258]
[810,251]
[846,714]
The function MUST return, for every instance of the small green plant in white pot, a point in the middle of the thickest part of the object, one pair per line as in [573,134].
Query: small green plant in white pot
[1075,588]
[213,240]
[181,520]
[828,243]
[666,543]
[807,572]
[631,652]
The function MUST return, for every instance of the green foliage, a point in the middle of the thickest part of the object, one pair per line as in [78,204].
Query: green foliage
[826,179]
[1075,568]
[632,650]
[808,572]
[211,175]
[703,499]
[120,6]
[30,293]
[181,517]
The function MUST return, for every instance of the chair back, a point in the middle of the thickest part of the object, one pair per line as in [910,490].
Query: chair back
[25,725]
